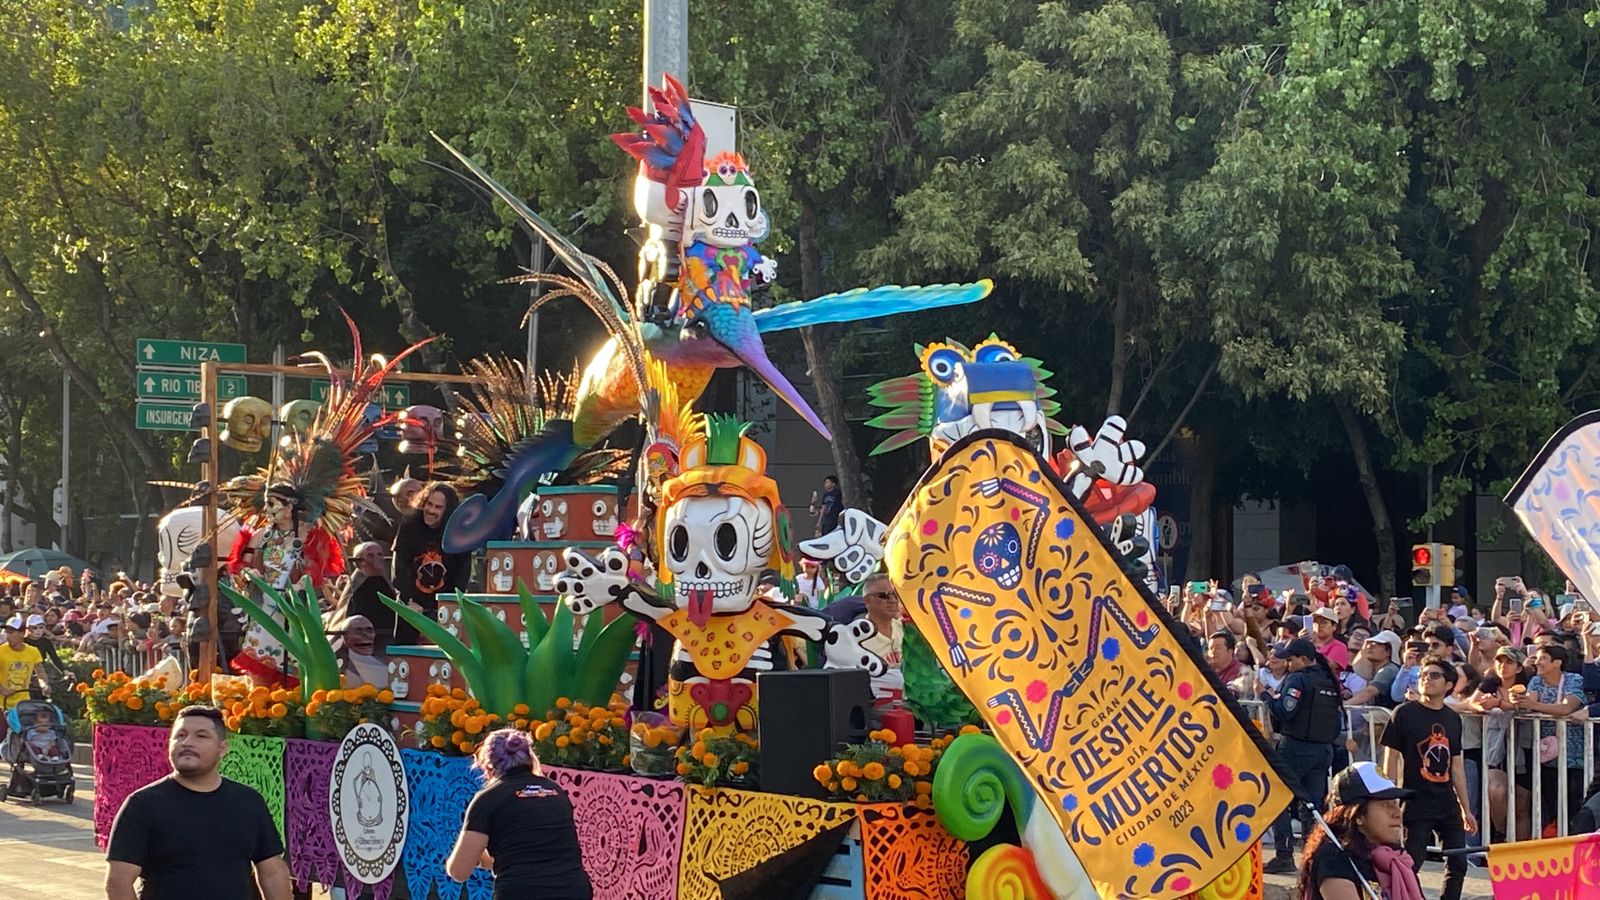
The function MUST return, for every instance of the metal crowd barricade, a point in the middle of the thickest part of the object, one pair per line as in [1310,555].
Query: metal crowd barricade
[1364,730]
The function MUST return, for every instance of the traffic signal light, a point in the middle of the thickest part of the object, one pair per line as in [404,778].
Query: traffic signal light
[1423,565]
[1446,558]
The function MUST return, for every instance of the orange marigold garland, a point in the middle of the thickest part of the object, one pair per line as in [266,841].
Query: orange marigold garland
[117,699]
[452,722]
[579,736]
[722,760]
[875,771]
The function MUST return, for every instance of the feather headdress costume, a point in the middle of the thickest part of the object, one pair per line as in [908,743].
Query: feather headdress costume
[308,494]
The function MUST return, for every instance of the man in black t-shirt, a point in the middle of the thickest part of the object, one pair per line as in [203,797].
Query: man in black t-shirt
[194,835]
[1424,743]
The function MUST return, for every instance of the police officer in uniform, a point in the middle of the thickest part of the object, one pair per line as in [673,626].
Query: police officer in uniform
[1307,713]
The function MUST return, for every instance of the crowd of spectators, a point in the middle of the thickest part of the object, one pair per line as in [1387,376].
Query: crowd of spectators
[1484,689]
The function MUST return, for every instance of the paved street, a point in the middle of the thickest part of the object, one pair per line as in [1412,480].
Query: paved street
[49,852]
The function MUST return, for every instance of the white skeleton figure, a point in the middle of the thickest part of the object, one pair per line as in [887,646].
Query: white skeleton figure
[178,534]
[715,548]
[855,547]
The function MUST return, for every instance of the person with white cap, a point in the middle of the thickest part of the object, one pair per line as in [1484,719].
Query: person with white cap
[1381,651]
[1325,635]
[1365,815]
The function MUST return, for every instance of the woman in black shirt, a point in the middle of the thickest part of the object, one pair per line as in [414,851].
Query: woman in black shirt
[520,825]
[1367,818]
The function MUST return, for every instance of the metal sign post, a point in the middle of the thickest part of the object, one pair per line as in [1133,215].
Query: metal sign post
[208,522]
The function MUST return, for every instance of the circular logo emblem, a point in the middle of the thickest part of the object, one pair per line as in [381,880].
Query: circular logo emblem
[1168,528]
[368,803]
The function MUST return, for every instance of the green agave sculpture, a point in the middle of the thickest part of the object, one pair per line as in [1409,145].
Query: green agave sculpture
[502,673]
[303,635]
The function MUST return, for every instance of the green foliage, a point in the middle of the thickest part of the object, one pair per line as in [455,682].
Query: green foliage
[304,636]
[501,673]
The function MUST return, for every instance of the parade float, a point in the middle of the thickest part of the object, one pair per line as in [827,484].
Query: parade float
[1108,762]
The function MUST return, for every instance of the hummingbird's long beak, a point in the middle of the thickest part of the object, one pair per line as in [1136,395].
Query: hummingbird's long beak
[755,359]
[736,330]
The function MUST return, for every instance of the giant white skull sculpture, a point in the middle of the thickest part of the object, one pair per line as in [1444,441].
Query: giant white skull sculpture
[725,211]
[716,547]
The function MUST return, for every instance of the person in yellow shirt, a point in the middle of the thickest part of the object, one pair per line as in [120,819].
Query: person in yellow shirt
[19,663]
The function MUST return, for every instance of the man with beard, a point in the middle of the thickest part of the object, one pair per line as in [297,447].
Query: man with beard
[421,568]
[195,835]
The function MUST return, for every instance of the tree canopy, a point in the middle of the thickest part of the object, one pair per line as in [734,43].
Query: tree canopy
[1372,220]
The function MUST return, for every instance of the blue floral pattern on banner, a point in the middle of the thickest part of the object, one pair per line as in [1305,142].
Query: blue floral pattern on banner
[441,786]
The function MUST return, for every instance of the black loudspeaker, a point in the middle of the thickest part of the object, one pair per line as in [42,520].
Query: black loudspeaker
[805,716]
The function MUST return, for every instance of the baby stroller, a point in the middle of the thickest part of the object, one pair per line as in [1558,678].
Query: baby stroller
[39,750]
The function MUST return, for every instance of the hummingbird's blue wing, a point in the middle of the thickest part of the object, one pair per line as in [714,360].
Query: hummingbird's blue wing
[868,303]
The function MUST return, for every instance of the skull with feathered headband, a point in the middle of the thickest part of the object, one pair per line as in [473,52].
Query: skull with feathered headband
[721,523]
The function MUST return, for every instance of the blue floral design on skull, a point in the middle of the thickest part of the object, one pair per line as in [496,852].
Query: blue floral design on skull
[998,554]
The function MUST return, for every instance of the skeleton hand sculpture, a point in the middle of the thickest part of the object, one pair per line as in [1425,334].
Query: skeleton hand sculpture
[855,547]
[590,582]
[1107,456]
[841,648]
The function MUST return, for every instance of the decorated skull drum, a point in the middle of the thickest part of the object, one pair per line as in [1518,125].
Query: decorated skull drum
[535,564]
[412,669]
[507,611]
[572,513]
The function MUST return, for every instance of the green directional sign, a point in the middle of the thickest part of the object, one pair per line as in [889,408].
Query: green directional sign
[155,415]
[392,396]
[172,384]
[189,354]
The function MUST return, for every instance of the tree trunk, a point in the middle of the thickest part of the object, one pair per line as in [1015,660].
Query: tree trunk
[1202,518]
[120,415]
[13,468]
[1382,530]
[1120,349]
[46,530]
[412,327]
[819,357]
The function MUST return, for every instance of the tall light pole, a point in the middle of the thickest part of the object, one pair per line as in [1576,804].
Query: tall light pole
[66,458]
[666,43]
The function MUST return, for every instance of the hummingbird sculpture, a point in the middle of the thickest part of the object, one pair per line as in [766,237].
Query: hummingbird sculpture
[704,262]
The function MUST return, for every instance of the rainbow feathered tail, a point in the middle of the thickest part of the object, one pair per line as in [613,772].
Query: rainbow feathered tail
[480,519]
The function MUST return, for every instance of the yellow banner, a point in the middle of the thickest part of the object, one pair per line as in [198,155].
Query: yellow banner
[1157,784]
